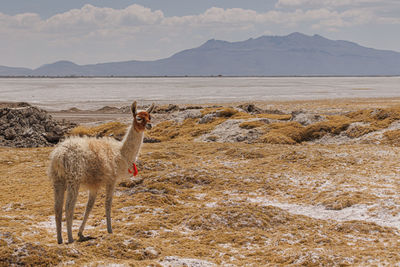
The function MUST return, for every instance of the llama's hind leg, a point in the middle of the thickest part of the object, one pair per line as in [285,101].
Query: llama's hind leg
[72,194]
[109,195]
[59,191]
[89,206]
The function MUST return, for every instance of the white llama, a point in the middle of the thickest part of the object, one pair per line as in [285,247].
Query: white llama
[93,162]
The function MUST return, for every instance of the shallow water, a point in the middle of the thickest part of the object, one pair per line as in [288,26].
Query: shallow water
[91,93]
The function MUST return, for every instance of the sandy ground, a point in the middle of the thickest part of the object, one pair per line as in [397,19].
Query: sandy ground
[219,204]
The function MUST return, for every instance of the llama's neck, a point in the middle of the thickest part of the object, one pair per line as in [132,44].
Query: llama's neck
[131,144]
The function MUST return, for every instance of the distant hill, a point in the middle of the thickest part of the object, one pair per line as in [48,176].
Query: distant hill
[293,55]
[10,71]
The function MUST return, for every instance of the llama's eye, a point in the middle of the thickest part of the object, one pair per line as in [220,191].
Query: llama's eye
[138,118]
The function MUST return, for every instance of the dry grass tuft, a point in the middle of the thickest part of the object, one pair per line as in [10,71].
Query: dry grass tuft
[188,130]
[164,131]
[112,129]
[275,137]
[280,117]
[237,218]
[243,115]
[251,124]
[226,112]
[245,154]
[29,254]
[360,130]
[339,201]
[283,133]
[334,125]
[392,138]
[220,111]
[378,118]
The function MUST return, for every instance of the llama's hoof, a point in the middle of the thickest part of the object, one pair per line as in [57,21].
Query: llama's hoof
[85,238]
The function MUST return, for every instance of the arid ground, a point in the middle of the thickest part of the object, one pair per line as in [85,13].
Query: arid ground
[310,183]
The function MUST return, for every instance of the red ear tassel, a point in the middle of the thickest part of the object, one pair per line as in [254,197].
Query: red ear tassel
[134,171]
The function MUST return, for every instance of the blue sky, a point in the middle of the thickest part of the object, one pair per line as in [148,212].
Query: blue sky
[44,31]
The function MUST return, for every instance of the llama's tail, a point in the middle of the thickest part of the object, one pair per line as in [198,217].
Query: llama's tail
[56,170]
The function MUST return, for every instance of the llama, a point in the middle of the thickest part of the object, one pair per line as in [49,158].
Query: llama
[93,162]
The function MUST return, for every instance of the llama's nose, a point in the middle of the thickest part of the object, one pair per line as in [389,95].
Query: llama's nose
[148,126]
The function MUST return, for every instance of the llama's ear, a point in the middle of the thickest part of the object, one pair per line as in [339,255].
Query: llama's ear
[150,109]
[133,108]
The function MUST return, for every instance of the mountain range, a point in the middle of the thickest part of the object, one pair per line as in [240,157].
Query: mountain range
[295,54]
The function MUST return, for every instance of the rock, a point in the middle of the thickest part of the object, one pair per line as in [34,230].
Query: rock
[151,140]
[192,114]
[191,107]
[207,118]
[9,134]
[170,108]
[250,108]
[132,182]
[30,126]
[306,118]
[231,132]
[240,138]
[151,253]
[27,132]
[53,137]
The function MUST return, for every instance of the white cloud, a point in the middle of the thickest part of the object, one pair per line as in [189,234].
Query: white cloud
[19,21]
[90,18]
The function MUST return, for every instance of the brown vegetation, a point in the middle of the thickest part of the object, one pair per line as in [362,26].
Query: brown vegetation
[270,203]
[111,129]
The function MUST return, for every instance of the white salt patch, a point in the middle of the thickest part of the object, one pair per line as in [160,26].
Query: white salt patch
[173,261]
[50,225]
[128,241]
[68,262]
[7,207]
[211,204]
[358,212]
[200,196]
[127,209]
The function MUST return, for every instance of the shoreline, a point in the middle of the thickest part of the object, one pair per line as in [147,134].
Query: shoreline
[205,76]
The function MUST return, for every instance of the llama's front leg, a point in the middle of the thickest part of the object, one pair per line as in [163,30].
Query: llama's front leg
[59,190]
[72,194]
[109,196]
[89,206]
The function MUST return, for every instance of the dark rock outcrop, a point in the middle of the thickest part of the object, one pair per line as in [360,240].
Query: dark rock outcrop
[28,126]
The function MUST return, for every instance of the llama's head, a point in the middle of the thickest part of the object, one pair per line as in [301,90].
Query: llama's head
[141,119]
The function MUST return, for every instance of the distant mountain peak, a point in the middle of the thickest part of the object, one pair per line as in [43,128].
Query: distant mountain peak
[213,43]
[297,35]
[65,62]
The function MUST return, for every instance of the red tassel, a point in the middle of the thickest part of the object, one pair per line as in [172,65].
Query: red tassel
[134,171]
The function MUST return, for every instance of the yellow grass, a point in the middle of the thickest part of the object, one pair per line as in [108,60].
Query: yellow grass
[251,124]
[188,130]
[220,112]
[392,137]
[112,129]
[229,204]
[197,195]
